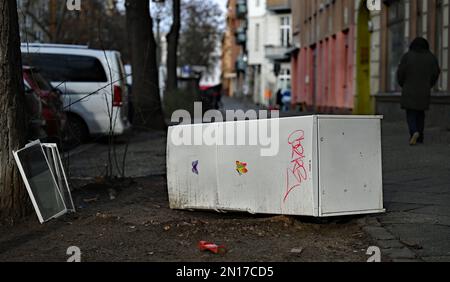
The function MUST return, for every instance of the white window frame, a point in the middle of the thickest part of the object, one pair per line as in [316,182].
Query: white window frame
[28,186]
[285,30]
[57,161]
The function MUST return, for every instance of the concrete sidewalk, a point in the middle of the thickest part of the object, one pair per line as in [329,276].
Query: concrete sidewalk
[416,180]
[417,193]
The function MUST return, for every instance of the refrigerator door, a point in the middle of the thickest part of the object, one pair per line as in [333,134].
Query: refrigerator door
[350,167]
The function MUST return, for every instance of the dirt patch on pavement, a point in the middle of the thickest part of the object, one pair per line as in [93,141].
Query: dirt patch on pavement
[139,226]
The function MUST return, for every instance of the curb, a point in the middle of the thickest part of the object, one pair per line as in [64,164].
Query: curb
[390,246]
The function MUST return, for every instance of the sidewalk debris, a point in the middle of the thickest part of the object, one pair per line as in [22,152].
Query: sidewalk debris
[295,172]
[112,193]
[90,200]
[297,251]
[43,174]
[412,244]
[216,249]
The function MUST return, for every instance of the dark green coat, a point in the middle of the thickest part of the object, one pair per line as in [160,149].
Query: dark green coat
[417,74]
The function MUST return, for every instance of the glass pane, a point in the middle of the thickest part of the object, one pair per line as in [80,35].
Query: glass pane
[439,46]
[392,12]
[41,182]
[395,52]
[54,160]
[397,11]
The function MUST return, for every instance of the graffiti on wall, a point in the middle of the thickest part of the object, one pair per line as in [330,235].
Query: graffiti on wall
[296,172]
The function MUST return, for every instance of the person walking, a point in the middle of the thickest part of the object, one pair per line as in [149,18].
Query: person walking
[286,100]
[417,74]
[279,101]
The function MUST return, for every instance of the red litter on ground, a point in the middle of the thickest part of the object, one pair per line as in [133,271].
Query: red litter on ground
[216,249]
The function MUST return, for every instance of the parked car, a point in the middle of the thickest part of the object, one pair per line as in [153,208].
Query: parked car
[92,83]
[52,110]
[211,96]
[36,122]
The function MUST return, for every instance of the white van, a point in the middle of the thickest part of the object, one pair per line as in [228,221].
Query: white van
[93,86]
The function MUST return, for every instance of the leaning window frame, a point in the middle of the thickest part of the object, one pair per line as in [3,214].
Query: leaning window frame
[28,187]
[57,160]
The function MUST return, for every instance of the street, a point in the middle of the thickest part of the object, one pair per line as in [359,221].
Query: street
[130,220]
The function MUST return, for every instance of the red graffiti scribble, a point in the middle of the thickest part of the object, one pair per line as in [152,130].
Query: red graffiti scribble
[296,169]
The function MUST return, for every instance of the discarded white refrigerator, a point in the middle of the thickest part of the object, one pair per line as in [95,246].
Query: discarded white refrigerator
[317,166]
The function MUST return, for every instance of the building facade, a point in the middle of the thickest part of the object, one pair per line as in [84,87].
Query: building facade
[346,56]
[323,62]
[256,57]
[269,40]
[234,49]
[30,29]
[407,20]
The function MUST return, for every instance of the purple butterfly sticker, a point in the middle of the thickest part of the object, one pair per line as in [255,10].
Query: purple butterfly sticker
[195,167]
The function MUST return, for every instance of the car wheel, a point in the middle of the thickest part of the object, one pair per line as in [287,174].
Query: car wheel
[75,132]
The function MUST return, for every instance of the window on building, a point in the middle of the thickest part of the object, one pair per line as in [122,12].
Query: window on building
[396,42]
[39,35]
[28,22]
[285,28]
[439,48]
[257,37]
[420,17]
[284,79]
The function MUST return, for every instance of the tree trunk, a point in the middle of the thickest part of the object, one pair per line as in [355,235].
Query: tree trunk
[14,202]
[148,112]
[172,48]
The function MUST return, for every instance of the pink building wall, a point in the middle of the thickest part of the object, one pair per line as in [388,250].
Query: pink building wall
[334,74]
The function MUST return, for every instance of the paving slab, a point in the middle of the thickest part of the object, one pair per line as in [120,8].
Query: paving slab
[416,193]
